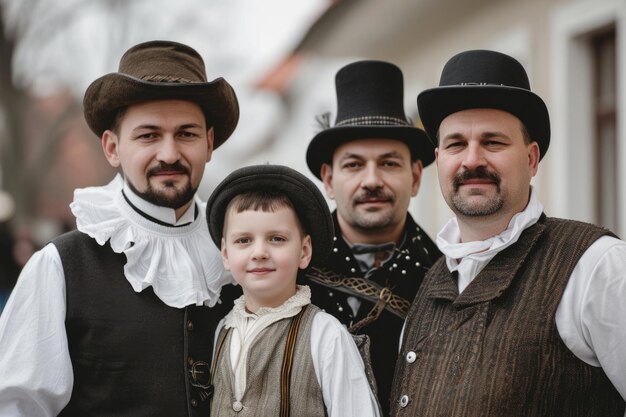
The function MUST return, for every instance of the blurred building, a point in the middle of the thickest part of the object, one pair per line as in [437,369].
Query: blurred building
[573,50]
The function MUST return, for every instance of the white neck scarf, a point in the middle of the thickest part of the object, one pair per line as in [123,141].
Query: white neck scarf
[474,256]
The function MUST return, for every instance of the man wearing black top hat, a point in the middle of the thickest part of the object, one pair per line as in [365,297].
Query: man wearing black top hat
[371,164]
[113,319]
[524,315]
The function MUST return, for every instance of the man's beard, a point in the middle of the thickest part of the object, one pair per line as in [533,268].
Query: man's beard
[377,220]
[161,198]
[489,207]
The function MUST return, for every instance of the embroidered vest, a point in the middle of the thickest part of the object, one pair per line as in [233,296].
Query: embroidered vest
[132,355]
[265,359]
[495,350]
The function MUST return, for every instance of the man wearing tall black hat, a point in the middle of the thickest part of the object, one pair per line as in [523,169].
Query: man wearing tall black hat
[371,164]
[525,314]
[114,318]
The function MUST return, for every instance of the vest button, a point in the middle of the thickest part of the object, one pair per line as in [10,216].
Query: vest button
[404,401]
[189,325]
[237,406]
[194,403]
[410,357]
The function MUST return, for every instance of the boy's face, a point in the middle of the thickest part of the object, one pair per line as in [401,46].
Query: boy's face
[263,251]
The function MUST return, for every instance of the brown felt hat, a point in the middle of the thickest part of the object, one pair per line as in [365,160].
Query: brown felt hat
[161,70]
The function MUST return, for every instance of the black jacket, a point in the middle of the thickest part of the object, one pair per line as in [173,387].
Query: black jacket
[402,274]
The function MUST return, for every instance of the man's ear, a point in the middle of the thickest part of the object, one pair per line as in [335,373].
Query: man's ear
[211,138]
[110,146]
[326,172]
[533,157]
[416,172]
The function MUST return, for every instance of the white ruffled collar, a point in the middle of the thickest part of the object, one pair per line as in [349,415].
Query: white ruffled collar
[181,264]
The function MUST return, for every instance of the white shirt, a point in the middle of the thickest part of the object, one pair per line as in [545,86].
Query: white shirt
[591,317]
[337,362]
[36,377]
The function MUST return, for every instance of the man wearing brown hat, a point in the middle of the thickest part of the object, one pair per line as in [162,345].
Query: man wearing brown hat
[114,318]
[371,164]
[525,314]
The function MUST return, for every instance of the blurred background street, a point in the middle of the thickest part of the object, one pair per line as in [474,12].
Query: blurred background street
[281,58]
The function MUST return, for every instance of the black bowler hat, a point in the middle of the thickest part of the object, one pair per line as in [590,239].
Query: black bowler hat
[369,105]
[485,79]
[308,201]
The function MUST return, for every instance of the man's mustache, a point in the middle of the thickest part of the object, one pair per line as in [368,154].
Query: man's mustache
[373,194]
[163,167]
[478,173]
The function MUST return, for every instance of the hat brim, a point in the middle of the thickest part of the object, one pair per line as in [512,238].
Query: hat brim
[324,144]
[309,203]
[436,104]
[113,91]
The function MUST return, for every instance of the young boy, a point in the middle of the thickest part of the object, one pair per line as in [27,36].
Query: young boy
[276,353]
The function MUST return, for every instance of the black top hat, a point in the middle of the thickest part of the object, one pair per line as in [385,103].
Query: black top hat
[161,70]
[308,201]
[485,79]
[369,105]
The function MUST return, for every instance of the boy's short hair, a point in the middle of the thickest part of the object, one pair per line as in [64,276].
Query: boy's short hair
[305,197]
[266,201]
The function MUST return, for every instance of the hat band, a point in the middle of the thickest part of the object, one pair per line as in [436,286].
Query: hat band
[168,79]
[472,84]
[373,121]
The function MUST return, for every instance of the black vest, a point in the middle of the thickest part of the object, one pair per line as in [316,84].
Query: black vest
[132,355]
[403,273]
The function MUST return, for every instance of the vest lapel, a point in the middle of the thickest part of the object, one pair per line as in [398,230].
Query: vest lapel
[493,280]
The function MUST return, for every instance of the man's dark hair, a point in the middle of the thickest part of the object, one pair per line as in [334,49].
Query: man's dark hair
[117,120]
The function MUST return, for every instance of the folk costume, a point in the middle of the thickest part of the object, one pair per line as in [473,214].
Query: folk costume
[114,318]
[374,299]
[527,322]
[326,373]
[369,288]
[512,330]
[293,359]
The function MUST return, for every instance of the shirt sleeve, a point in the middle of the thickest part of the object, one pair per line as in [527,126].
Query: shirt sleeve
[339,370]
[36,371]
[591,317]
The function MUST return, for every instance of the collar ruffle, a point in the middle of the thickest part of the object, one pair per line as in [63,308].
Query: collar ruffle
[289,308]
[181,264]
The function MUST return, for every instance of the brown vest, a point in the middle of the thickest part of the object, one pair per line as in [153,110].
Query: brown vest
[495,350]
[265,360]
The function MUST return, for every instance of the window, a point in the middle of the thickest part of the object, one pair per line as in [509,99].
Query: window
[605,127]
